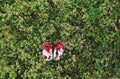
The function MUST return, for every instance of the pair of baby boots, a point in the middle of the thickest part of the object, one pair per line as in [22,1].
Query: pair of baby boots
[47,51]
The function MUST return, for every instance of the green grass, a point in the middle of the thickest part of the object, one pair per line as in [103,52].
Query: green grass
[89,29]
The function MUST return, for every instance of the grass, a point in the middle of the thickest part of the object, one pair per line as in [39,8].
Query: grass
[90,31]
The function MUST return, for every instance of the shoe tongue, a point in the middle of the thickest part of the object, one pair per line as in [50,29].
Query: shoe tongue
[47,47]
[59,46]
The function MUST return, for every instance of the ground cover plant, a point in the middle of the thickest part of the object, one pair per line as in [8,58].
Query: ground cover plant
[89,29]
